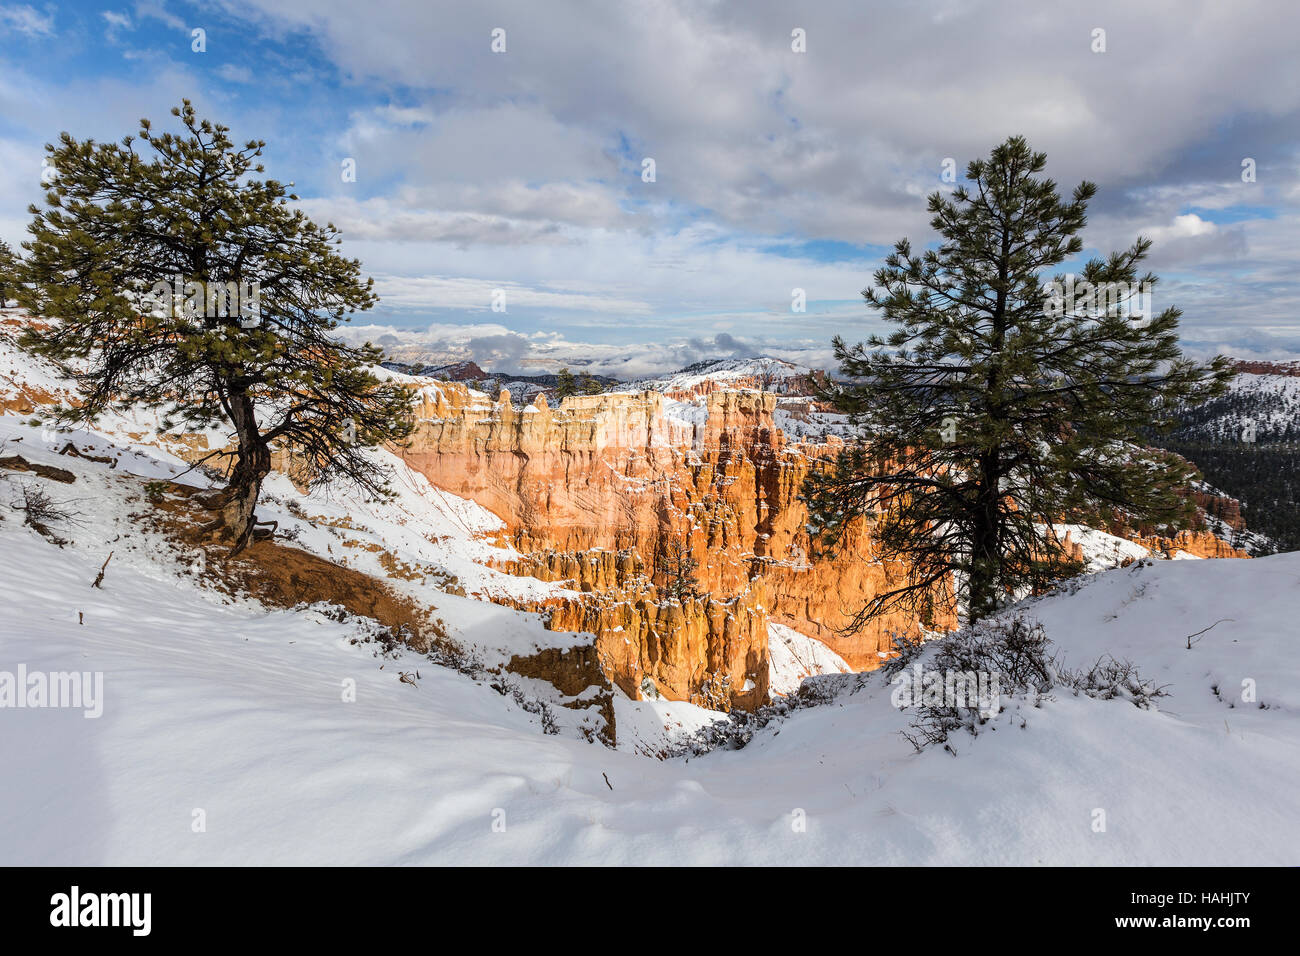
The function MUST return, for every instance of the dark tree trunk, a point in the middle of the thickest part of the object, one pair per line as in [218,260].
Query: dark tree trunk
[986,571]
[252,465]
[985,556]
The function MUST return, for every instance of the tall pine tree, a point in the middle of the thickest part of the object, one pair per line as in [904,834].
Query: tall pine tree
[8,268]
[178,280]
[1002,403]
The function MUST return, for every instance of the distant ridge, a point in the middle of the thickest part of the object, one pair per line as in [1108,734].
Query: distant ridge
[762,371]
[1267,368]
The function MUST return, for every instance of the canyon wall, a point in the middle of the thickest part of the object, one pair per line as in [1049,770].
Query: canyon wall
[601,491]
[597,491]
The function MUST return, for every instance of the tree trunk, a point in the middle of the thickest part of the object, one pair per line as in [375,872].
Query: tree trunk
[986,556]
[252,465]
[986,544]
[983,575]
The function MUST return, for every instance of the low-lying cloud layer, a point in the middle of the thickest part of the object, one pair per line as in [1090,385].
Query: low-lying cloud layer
[497,348]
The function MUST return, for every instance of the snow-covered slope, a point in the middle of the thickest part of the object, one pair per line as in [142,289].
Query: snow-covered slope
[1258,408]
[792,656]
[1271,406]
[226,737]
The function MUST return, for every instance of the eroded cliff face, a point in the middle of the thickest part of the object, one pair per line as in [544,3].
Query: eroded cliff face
[704,648]
[598,491]
[1200,544]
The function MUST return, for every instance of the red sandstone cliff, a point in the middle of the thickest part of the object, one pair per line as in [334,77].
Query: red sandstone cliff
[615,473]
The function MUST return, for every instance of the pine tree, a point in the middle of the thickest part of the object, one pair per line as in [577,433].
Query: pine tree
[588,385]
[565,384]
[177,280]
[1002,403]
[8,268]
[678,567]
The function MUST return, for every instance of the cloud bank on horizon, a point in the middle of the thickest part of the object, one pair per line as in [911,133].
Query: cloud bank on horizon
[488,162]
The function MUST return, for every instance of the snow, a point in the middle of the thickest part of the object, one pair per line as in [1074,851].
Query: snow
[1275,400]
[1100,549]
[237,712]
[775,375]
[793,656]
[1259,407]
[692,413]
[651,727]
[798,420]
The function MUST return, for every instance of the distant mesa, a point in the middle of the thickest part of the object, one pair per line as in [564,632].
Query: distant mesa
[1267,368]
[457,372]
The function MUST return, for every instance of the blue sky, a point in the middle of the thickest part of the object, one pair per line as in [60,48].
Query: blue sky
[519,173]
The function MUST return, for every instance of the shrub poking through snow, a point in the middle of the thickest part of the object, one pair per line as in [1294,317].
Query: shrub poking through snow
[905,648]
[1109,678]
[1009,656]
[40,511]
[1019,655]
[993,663]
[1017,649]
[740,726]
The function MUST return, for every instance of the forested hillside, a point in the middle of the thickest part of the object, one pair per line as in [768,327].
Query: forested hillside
[1247,444]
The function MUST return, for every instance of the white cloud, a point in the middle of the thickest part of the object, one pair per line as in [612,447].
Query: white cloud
[145,10]
[235,74]
[1187,226]
[497,348]
[831,142]
[116,21]
[26,20]
[437,292]
[521,171]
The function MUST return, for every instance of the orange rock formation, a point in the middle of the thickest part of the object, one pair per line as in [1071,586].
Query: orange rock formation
[596,490]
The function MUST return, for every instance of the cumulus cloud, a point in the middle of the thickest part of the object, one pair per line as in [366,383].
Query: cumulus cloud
[146,9]
[725,345]
[837,137]
[529,162]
